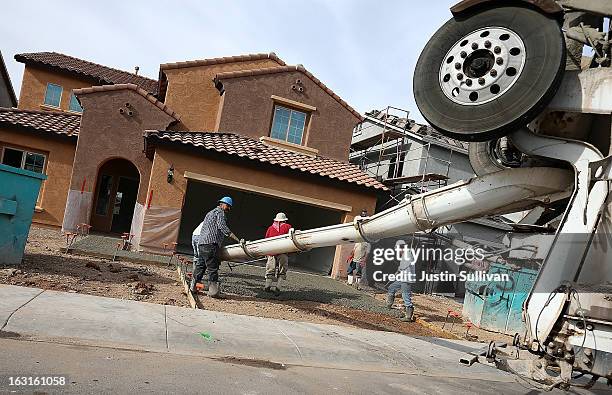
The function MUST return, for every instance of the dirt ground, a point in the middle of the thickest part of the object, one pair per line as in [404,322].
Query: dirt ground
[305,297]
[44,266]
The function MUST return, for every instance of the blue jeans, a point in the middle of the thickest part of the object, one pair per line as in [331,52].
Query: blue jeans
[406,292]
[354,266]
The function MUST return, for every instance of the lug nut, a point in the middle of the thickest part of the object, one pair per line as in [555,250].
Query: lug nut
[481,81]
[468,82]
[493,73]
[487,44]
[474,45]
[499,61]
[459,76]
[463,54]
[497,50]
[458,66]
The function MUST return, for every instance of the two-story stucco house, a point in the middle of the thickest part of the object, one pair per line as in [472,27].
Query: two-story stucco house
[125,153]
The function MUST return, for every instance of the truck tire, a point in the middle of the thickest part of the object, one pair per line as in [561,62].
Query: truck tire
[490,72]
[488,157]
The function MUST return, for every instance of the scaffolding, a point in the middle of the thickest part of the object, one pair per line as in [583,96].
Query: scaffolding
[384,154]
[382,148]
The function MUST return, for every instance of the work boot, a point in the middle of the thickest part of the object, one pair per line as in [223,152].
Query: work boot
[213,290]
[268,285]
[277,291]
[390,300]
[408,315]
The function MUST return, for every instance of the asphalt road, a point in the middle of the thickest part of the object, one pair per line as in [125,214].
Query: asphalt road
[106,370]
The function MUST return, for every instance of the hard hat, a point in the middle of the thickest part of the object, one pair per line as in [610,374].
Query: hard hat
[281,217]
[227,200]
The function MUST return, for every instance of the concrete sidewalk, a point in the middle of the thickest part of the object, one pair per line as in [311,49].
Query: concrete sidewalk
[69,318]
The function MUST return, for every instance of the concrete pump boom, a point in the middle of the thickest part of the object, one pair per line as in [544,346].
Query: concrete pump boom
[499,193]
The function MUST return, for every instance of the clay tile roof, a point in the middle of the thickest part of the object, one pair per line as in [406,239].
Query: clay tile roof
[61,123]
[137,89]
[285,69]
[245,147]
[226,59]
[100,73]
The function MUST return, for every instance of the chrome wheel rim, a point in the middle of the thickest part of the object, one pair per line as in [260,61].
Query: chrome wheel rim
[482,66]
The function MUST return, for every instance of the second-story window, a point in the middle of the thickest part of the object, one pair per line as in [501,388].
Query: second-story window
[53,96]
[74,104]
[288,125]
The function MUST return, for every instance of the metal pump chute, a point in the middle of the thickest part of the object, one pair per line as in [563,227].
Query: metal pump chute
[504,192]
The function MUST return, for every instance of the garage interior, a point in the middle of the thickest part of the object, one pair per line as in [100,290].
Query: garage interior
[250,217]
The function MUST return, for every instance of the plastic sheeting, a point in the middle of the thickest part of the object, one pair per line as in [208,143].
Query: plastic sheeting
[136,227]
[160,225]
[78,210]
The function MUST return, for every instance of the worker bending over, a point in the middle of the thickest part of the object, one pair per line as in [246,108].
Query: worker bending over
[406,272]
[213,230]
[277,265]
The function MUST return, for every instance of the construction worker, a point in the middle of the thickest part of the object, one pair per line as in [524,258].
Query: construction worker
[406,272]
[277,265]
[212,232]
[358,258]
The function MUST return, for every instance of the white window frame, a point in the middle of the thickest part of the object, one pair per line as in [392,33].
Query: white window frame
[291,110]
[24,156]
[59,105]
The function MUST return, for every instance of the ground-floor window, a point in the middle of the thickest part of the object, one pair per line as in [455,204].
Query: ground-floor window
[22,159]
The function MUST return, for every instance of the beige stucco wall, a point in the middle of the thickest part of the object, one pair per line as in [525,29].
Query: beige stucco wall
[192,93]
[34,87]
[60,155]
[248,172]
[170,196]
[248,109]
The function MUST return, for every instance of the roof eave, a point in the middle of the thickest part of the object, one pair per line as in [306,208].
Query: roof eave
[153,134]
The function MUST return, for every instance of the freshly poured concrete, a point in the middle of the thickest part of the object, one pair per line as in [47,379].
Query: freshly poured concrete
[90,320]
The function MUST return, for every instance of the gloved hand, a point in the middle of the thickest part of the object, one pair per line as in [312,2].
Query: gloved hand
[242,241]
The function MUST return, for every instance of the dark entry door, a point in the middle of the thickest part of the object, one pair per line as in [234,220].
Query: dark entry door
[123,209]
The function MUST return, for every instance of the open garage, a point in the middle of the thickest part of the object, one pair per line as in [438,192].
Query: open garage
[252,214]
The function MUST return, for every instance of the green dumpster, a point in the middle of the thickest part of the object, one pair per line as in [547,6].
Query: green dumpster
[18,194]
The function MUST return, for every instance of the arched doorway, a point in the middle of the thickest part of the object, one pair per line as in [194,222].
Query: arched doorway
[115,196]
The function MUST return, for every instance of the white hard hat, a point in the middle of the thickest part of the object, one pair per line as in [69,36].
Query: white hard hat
[281,217]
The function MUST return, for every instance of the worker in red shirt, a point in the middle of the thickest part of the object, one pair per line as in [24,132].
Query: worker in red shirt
[277,265]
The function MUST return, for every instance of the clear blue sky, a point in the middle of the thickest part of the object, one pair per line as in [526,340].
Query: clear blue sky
[363,50]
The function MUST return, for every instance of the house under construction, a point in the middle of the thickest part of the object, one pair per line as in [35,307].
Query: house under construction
[411,158]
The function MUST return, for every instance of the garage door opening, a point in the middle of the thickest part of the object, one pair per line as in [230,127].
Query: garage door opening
[252,214]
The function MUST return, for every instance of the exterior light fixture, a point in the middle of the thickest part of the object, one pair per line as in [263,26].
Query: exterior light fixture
[170,174]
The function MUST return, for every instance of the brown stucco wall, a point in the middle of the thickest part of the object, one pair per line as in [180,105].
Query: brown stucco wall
[107,134]
[248,109]
[192,94]
[34,86]
[60,155]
